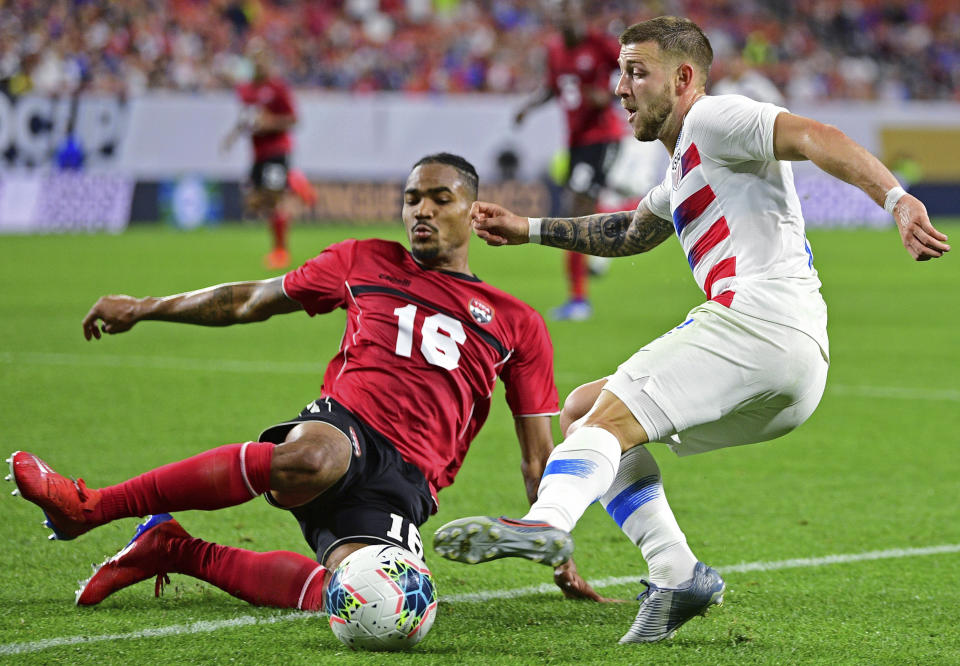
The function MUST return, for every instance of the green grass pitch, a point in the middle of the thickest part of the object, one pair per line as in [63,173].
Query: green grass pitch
[875,469]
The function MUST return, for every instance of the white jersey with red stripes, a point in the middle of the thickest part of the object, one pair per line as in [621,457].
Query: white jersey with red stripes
[737,215]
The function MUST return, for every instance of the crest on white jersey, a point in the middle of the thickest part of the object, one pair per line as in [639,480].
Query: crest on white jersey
[675,168]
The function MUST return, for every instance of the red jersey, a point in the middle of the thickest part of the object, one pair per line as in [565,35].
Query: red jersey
[423,348]
[274,96]
[571,71]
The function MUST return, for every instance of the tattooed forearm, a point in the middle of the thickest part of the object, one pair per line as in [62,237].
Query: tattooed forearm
[224,304]
[607,234]
[214,306]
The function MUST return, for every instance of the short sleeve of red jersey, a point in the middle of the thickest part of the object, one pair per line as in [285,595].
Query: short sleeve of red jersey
[528,374]
[320,284]
[246,94]
[284,99]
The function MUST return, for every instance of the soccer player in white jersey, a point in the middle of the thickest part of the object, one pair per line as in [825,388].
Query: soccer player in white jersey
[748,365]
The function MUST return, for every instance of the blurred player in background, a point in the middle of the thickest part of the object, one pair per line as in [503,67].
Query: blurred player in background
[748,365]
[580,64]
[401,401]
[267,118]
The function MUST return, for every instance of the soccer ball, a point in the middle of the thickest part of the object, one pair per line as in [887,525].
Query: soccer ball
[381,598]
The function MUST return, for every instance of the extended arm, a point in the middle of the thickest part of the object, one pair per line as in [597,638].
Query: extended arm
[220,305]
[264,122]
[799,138]
[605,234]
[536,443]
[238,130]
[539,98]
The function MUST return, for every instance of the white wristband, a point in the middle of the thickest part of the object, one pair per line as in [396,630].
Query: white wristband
[534,223]
[893,196]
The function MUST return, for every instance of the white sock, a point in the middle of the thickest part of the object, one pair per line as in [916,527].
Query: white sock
[638,505]
[578,472]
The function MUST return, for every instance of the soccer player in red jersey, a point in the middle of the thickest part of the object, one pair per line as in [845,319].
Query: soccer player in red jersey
[425,341]
[268,116]
[580,67]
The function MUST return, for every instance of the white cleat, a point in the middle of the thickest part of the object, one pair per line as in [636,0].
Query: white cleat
[483,538]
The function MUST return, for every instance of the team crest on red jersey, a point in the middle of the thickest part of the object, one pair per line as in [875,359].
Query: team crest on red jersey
[585,62]
[480,311]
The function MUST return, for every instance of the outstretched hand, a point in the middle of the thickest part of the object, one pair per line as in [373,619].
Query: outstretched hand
[118,314]
[497,225]
[226,143]
[919,236]
[574,586]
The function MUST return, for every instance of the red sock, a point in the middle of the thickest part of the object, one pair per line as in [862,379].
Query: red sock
[577,275]
[278,225]
[279,578]
[218,478]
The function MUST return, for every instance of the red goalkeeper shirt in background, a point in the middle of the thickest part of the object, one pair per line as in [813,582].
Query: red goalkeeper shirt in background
[272,95]
[423,348]
[572,73]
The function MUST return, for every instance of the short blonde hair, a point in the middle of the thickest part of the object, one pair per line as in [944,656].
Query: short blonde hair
[678,38]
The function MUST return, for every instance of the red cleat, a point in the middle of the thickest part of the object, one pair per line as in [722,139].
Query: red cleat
[277,259]
[145,556]
[65,503]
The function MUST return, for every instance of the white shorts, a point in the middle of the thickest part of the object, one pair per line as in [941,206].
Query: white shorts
[722,378]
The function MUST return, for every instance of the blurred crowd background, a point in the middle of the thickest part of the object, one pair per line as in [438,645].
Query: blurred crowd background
[810,49]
